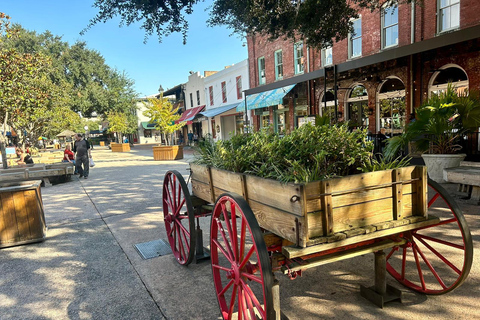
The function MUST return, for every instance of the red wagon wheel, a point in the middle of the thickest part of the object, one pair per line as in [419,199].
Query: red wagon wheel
[242,274]
[179,217]
[435,259]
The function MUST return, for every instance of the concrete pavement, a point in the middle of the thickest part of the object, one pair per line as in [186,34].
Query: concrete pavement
[89,268]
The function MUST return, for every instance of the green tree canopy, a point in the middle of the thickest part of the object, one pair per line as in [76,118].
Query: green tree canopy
[93,86]
[315,21]
[30,101]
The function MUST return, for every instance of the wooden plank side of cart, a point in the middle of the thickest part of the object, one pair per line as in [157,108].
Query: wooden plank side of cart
[324,211]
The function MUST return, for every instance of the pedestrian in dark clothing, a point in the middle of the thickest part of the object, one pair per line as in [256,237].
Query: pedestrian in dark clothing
[190,138]
[83,154]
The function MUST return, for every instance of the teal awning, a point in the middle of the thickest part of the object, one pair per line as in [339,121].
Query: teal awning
[265,99]
[148,125]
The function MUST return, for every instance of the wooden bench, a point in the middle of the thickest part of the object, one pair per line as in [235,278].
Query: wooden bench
[467,175]
[44,172]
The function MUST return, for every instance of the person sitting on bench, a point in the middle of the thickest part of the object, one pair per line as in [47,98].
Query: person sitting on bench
[25,158]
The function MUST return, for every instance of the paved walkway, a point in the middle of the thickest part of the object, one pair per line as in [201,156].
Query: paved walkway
[89,268]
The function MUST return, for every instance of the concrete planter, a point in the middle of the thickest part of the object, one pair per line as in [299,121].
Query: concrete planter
[22,216]
[120,147]
[167,152]
[437,162]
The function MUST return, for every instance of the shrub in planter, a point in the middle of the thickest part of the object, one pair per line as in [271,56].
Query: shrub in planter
[306,154]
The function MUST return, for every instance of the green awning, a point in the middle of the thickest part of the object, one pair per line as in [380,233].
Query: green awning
[148,125]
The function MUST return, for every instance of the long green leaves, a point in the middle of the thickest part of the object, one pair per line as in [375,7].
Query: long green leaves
[306,154]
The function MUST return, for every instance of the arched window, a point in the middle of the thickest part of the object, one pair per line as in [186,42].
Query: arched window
[449,74]
[357,107]
[392,109]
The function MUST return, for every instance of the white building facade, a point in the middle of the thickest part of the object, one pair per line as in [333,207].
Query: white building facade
[223,91]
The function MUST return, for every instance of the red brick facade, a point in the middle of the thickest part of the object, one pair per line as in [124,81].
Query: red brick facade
[416,71]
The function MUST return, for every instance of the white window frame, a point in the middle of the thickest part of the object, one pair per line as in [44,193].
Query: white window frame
[325,52]
[262,79]
[278,65]
[298,60]
[440,10]
[352,38]
[385,28]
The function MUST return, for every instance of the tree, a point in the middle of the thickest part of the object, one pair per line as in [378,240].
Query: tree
[162,113]
[29,101]
[315,21]
[93,87]
[121,123]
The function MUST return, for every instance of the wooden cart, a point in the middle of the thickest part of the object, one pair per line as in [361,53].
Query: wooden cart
[291,227]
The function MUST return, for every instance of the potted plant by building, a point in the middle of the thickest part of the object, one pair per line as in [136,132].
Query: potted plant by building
[440,125]
[162,113]
[121,123]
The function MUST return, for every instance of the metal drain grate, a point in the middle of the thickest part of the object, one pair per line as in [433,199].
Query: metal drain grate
[152,249]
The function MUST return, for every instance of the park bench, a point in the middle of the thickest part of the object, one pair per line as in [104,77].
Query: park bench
[467,175]
[41,171]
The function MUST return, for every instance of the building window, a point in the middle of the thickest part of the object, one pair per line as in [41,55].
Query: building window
[210,93]
[198,97]
[449,15]
[261,70]
[191,100]
[357,108]
[355,40]
[298,57]
[239,87]
[278,65]
[327,56]
[448,75]
[390,25]
[392,107]
[224,92]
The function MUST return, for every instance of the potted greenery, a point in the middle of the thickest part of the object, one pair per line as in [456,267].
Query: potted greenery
[163,115]
[440,125]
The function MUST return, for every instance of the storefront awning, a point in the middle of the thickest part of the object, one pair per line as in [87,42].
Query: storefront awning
[148,125]
[265,99]
[190,114]
[216,111]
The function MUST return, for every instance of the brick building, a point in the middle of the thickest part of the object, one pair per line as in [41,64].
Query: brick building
[376,77]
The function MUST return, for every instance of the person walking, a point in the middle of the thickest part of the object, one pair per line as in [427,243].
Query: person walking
[81,147]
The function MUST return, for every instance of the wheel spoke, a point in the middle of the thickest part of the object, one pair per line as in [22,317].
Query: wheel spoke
[227,243]
[432,269]
[434,198]
[242,239]
[220,247]
[447,243]
[419,268]
[230,232]
[233,222]
[247,257]
[229,284]
[232,301]
[255,301]
[252,277]
[251,308]
[242,304]
[438,254]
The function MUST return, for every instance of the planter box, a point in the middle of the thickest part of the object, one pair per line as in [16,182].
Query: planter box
[22,218]
[102,143]
[167,152]
[324,211]
[120,147]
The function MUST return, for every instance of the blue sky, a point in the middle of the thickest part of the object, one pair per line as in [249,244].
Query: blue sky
[149,65]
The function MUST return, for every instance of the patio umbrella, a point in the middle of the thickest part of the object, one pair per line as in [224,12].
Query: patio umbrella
[42,138]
